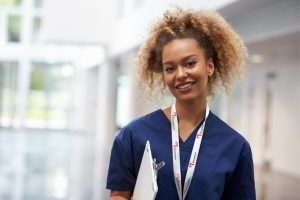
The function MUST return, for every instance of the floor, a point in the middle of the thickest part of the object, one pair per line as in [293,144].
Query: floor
[276,186]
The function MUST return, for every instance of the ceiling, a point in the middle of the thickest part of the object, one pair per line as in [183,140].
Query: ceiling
[286,45]
[244,7]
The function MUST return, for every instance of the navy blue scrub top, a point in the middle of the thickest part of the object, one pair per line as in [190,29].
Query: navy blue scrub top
[224,168]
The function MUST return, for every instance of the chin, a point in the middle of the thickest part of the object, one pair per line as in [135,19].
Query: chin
[189,98]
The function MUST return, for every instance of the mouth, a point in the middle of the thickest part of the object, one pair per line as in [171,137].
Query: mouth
[184,86]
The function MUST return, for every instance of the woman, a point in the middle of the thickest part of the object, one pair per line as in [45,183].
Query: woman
[190,53]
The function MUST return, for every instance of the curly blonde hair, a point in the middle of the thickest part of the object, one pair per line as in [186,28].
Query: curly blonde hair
[211,32]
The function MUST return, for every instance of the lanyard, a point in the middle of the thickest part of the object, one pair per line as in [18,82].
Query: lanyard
[176,156]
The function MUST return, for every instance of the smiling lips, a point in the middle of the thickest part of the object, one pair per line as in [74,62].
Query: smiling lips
[184,86]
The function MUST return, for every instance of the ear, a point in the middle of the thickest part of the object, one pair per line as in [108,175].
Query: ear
[210,67]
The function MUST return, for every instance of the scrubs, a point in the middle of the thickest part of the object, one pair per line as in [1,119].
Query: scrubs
[224,168]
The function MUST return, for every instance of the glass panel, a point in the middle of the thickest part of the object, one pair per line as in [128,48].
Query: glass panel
[7,185]
[137,3]
[38,3]
[122,92]
[8,92]
[36,27]
[34,187]
[46,165]
[49,102]
[14,29]
[8,3]
[7,164]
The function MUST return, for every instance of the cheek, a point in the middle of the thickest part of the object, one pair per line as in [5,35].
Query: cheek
[167,79]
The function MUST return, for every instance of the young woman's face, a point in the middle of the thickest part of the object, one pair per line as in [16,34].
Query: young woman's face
[185,69]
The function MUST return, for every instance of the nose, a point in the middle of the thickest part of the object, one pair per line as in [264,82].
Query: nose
[181,73]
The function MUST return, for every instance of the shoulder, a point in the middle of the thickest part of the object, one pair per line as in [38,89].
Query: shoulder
[147,120]
[219,128]
[143,124]
[132,138]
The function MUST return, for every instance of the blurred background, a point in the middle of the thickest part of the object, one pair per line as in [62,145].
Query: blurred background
[67,85]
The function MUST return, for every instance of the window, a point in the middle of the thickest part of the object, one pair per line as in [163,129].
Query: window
[8,92]
[10,3]
[137,3]
[49,103]
[36,27]
[7,176]
[123,93]
[14,29]
[38,3]
[46,163]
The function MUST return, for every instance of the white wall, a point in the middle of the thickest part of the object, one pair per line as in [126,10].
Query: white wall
[281,57]
[79,22]
[284,152]
[98,22]
[285,124]
[130,31]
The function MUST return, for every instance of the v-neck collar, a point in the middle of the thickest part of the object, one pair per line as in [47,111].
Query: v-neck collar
[191,137]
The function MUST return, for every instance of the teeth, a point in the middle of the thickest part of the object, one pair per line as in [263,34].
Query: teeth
[184,86]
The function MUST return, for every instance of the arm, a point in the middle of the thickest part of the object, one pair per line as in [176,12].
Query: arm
[120,195]
[241,185]
[121,175]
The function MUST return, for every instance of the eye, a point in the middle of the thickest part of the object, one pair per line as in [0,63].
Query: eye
[169,69]
[191,64]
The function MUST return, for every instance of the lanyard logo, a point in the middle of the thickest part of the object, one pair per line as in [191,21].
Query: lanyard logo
[173,119]
[192,163]
[176,144]
[199,135]
[175,149]
[174,114]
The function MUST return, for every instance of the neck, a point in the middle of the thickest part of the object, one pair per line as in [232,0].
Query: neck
[192,112]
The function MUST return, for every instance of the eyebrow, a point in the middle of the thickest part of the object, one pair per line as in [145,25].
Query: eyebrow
[184,59]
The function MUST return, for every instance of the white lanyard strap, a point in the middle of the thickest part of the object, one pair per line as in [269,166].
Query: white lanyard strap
[176,153]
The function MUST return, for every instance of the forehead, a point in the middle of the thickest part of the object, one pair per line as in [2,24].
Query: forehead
[181,48]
